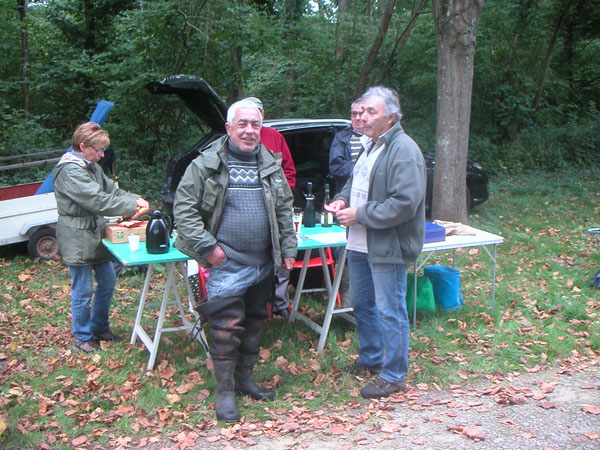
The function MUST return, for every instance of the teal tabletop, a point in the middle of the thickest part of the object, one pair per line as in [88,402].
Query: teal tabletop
[141,256]
[320,237]
[311,238]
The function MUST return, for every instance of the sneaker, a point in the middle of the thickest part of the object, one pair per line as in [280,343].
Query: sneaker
[357,368]
[382,388]
[86,346]
[107,336]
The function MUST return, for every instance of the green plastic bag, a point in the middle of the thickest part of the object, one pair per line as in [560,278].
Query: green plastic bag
[425,297]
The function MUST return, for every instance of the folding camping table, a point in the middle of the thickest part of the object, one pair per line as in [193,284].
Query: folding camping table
[173,259]
[319,238]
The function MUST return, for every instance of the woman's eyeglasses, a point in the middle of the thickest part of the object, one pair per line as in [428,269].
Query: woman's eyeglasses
[99,150]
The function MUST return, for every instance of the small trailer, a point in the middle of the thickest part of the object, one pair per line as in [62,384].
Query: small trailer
[25,216]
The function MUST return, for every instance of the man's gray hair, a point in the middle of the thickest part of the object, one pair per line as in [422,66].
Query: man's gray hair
[245,103]
[389,96]
[358,101]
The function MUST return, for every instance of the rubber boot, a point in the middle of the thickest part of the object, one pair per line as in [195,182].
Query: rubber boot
[225,318]
[249,348]
[225,404]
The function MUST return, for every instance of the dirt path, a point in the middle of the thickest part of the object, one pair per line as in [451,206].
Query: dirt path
[551,409]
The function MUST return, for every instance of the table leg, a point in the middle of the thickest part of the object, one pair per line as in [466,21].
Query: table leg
[300,286]
[415,297]
[196,329]
[494,279]
[161,316]
[140,311]
[493,258]
[332,292]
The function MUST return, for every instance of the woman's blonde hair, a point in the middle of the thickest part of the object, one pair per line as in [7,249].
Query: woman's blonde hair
[89,133]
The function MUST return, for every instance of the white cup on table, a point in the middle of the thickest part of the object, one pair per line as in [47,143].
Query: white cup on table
[134,242]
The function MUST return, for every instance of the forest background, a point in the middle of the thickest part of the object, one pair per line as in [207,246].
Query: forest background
[535,97]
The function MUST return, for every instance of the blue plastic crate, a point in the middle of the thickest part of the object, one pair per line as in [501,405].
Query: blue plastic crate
[434,233]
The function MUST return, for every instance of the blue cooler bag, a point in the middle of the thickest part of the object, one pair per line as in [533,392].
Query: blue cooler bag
[446,286]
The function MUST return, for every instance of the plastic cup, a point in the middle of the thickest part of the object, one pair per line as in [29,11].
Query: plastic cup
[134,242]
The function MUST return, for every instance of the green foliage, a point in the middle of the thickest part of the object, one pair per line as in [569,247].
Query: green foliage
[303,59]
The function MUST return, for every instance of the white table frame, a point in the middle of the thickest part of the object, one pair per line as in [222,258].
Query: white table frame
[170,288]
[480,239]
[174,260]
[331,288]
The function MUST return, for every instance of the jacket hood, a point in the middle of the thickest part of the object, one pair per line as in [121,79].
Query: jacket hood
[72,158]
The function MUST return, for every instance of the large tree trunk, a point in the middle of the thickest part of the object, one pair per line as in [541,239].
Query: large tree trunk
[456,28]
[21,6]
[384,24]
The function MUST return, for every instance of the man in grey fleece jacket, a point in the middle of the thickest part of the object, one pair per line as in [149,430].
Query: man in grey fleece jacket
[383,204]
[233,209]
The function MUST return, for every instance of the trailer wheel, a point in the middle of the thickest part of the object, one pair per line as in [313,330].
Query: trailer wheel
[43,244]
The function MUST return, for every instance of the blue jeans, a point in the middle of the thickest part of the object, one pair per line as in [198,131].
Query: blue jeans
[85,324]
[378,296]
[233,279]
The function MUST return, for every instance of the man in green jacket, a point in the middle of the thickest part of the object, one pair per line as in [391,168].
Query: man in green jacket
[84,195]
[383,204]
[233,209]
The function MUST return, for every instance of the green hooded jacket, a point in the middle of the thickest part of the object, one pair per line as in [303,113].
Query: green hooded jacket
[84,195]
[200,199]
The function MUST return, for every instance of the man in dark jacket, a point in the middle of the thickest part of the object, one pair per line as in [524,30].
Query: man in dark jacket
[346,147]
[383,204]
[233,209]
[84,195]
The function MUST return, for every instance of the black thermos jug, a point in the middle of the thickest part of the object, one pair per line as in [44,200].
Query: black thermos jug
[158,233]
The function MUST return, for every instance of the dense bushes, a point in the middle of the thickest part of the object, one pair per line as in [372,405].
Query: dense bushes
[304,68]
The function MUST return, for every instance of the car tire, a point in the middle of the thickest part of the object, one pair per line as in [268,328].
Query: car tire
[43,244]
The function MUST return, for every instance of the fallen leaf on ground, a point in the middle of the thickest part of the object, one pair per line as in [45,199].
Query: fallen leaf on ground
[548,387]
[591,409]
[546,405]
[78,441]
[173,398]
[473,433]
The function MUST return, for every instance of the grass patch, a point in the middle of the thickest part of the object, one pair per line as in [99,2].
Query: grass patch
[544,311]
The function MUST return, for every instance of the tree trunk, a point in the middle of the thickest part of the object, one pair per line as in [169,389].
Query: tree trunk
[560,19]
[402,39]
[234,87]
[341,37]
[456,29]
[292,14]
[523,17]
[24,72]
[384,24]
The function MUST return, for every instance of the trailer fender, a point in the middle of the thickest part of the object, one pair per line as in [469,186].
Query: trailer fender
[31,226]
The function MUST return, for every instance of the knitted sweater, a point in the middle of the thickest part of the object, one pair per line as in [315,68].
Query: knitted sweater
[244,232]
